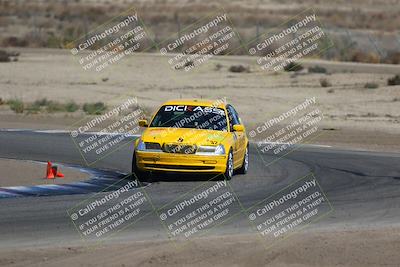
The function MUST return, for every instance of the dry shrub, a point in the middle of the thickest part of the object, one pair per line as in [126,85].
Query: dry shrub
[371,85]
[359,56]
[14,42]
[4,56]
[293,67]
[394,80]
[239,68]
[317,69]
[324,82]
[393,58]
[16,105]
[8,56]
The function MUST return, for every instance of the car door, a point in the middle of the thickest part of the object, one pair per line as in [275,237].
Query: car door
[238,151]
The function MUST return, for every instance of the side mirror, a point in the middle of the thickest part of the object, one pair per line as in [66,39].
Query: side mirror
[143,123]
[238,128]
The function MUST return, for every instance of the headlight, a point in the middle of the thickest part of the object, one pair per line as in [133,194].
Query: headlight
[141,145]
[220,150]
[211,150]
[148,146]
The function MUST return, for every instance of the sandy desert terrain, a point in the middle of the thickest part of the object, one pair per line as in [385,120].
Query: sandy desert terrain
[317,248]
[349,83]
[354,116]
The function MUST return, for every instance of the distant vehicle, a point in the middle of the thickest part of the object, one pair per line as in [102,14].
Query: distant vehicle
[193,136]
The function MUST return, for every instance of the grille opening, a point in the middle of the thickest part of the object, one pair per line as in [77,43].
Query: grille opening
[150,145]
[179,148]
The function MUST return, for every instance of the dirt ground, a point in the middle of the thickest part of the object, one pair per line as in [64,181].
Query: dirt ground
[321,248]
[26,173]
[354,117]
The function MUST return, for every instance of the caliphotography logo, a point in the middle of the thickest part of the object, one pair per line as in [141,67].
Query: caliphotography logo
[199,133]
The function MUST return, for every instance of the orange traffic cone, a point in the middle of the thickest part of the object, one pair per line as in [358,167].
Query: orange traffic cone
[56,173]
[49,171]
[59,174]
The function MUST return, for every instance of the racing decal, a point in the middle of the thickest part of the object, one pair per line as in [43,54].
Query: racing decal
[182,108]
[213,142]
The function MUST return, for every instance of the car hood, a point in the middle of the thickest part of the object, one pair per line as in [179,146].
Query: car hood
[184,136]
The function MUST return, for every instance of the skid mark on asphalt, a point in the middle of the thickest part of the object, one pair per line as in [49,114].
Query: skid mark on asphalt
[101,180]
[357,173]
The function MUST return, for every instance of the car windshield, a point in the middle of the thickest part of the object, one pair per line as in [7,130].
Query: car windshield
[199,117]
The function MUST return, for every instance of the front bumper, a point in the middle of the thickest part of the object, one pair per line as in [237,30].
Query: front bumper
[173,162]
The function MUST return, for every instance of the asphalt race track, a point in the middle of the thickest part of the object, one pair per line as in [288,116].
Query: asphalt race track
[362,187]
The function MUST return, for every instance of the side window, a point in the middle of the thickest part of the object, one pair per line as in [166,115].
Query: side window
[232,115]
[235,116]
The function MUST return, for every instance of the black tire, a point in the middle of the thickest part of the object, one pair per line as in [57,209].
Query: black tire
[136,173]
[229,166]
[245,164]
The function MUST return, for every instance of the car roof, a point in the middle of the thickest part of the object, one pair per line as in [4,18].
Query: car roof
[197,102]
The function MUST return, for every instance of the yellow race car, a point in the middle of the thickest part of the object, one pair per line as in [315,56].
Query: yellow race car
[192,136]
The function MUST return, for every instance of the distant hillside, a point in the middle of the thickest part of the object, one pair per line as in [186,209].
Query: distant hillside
[362,30]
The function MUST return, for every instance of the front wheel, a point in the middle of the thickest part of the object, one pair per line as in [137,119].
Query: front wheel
[245,163]
[229,166]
